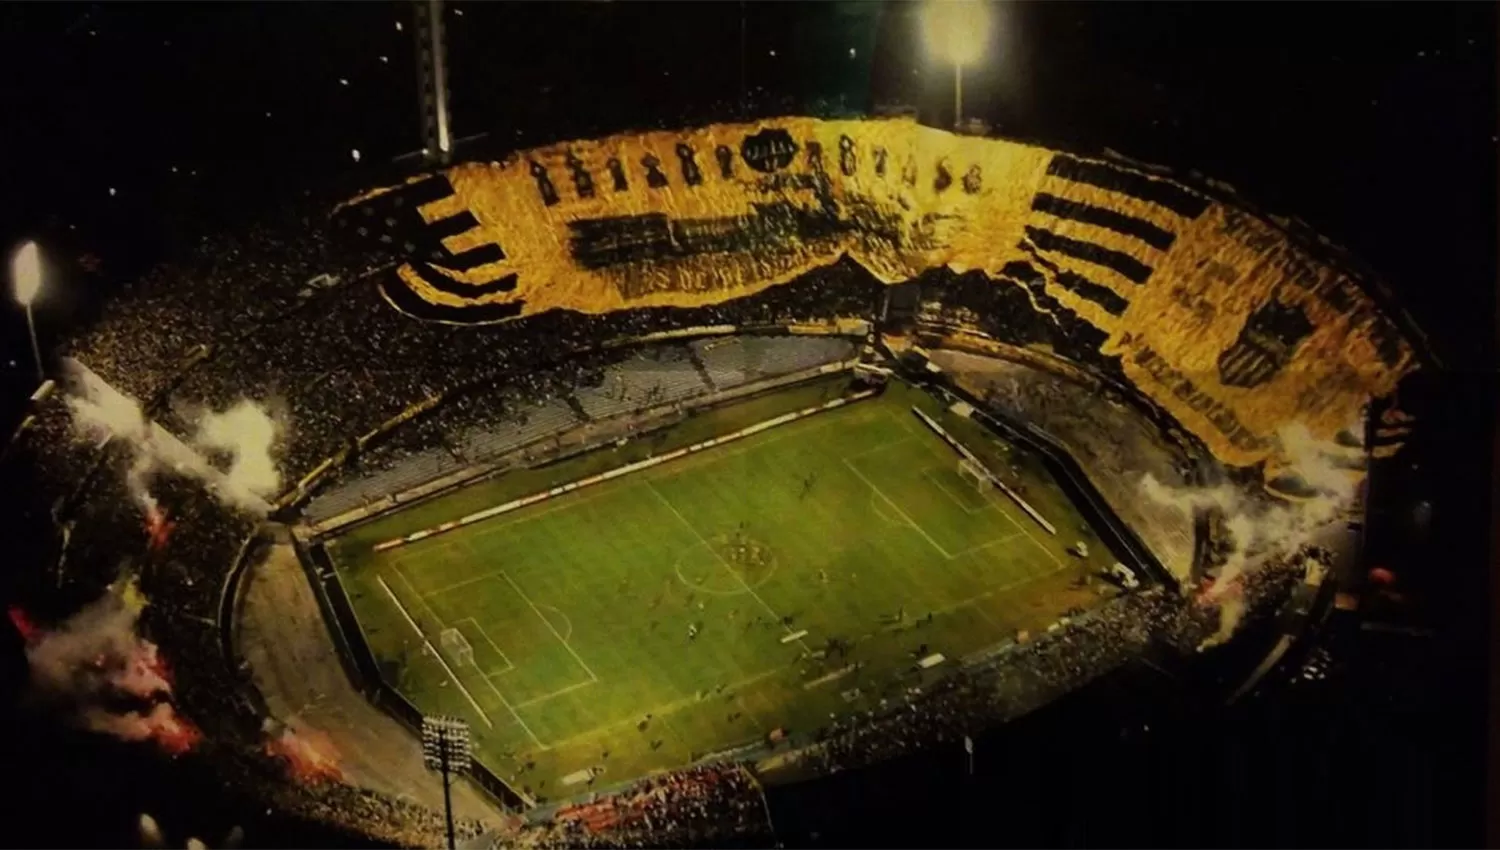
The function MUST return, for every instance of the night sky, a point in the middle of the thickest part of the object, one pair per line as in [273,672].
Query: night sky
[130,129]
[1374,123]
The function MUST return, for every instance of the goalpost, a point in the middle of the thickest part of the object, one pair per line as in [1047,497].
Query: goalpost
[972,472]
[457,646]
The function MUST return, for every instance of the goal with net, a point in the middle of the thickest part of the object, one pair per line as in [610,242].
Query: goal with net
[975,474]
[457,647]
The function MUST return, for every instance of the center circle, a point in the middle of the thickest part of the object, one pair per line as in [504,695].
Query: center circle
[726,564]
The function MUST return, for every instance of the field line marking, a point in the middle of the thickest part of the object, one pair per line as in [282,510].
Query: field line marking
[919,529]
[976,599]
[509,665]
[482,674]
[461,584]
[554,694]
[572,500]
[937,482]
[418,594]
[512,709]
[1024,530]
[979,547]
[548,624]
[1001,509]
[804,415]
[748,589]
[430,648]
[880,448]
[662,711]
[566,619]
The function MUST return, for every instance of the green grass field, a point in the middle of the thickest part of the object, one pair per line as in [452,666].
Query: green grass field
[853,523]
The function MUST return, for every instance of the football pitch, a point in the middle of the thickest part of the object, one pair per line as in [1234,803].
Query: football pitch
[700,604]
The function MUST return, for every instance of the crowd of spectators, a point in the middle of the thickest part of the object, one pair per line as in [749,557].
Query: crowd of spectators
[299,324]
[915,713]
[710,805]
[398,822]
[281,316]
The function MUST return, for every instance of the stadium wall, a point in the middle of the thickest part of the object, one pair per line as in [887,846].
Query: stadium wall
[231,595]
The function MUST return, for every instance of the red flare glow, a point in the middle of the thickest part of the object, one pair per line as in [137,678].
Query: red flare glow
[162,726]
[310,756]
[145,673]
[30,632]
[171,731]
[158,528]
[1211,591]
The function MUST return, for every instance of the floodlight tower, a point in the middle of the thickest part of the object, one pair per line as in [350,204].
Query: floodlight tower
[432,81]
[446,748]
[26,276]
[956,31]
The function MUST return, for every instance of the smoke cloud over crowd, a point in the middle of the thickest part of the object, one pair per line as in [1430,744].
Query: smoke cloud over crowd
[1259,530]
[95,668]
[245,432]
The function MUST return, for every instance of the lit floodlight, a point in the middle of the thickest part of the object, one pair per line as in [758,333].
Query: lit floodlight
[26,276]
[446,747]
[445,744]
[956,31]
[26,273]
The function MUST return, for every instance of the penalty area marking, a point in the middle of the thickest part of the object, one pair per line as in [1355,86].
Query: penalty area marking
[548,624]
[453,675]
[509,665]
[566,620]
[897,508]
[433,650]
[938,483]
[907,520]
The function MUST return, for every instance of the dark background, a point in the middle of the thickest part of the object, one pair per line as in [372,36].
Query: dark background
[1374,123]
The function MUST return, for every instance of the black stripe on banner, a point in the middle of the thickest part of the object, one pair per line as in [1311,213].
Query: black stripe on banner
[1128,225]
[453,225]
[467,291]
[1107,299]
[1132,269]
[1106,176]
[412,304]
[480,255]
[434,188]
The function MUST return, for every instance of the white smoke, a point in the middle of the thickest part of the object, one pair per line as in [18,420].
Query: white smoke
[245,431]
[1231,613]
[1262,532]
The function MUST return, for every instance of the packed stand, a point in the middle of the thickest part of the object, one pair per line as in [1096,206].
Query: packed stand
[298,324]
[705,805]
[479,426]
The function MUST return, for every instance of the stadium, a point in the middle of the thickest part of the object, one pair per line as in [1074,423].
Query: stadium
[684,465]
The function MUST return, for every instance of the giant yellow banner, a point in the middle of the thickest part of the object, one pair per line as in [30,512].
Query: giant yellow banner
[1212,313]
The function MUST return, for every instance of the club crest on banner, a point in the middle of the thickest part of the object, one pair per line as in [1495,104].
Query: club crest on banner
[1214,314]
